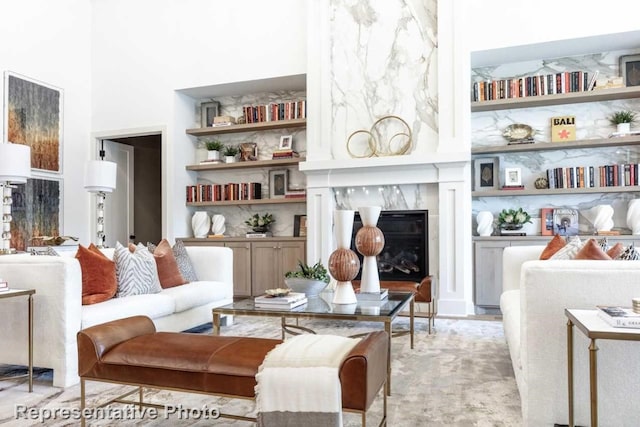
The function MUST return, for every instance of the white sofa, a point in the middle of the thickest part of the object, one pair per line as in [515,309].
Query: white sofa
[535,294]
[59,313]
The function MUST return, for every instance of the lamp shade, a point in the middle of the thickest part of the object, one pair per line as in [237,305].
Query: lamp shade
[15,163]
[100,175]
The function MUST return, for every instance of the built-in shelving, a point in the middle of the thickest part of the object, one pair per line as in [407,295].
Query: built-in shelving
[250,202]
[248,127]
[554,191]
[245,165]
[558,99]
[550,146]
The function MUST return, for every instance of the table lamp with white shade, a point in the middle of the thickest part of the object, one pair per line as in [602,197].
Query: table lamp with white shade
[15,168]
[100,178]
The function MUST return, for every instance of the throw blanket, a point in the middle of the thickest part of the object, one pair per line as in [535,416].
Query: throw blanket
[298,383]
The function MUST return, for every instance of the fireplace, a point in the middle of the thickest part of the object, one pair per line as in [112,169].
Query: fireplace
[405,255]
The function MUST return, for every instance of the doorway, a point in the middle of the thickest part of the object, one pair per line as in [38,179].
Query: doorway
[133,211]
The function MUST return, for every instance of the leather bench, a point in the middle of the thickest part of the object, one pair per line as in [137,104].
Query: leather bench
[130,351]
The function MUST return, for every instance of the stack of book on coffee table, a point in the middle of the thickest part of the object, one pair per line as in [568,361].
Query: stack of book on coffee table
[286,302]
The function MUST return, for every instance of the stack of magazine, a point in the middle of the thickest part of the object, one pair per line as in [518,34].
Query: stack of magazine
[619,317]
[287,302]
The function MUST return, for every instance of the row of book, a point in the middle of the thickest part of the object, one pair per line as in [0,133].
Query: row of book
[619,175]
[549,84]
[222,192]
[287,110]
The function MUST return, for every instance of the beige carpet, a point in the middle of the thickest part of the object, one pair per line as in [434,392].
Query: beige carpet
[459,376]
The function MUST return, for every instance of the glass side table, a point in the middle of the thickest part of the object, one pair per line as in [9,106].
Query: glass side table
[17,293]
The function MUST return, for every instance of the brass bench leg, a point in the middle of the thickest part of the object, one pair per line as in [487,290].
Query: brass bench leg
[82,403]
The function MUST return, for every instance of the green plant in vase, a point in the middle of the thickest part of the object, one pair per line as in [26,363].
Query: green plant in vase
[260,223]
[511,219]
[622,120]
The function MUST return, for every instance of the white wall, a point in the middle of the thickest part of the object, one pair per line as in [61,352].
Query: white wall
[43,40]
[143,51]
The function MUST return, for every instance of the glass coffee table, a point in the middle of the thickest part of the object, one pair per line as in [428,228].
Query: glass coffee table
[384,311]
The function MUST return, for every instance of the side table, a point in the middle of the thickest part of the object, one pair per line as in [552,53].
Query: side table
[593,328]
[16,293]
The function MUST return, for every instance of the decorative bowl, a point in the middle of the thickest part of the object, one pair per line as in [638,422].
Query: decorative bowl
[517,132]
[310,287]
[277,292]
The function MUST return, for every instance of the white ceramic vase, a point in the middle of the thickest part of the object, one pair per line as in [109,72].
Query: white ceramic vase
[370,278]
[485,223]
[633,216]
[601,216]
[623,128]
[200,224]
[343,225]
[217,224]
[213,155]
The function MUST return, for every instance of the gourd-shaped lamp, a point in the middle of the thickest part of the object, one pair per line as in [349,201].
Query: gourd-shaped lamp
[15,168]
[100,178]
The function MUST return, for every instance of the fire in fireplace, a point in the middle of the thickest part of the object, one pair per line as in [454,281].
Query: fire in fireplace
[405,255]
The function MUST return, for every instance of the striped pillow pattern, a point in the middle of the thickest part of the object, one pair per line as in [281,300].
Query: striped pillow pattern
[136,272]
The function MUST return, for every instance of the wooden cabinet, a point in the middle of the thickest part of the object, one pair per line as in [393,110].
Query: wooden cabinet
[258,264]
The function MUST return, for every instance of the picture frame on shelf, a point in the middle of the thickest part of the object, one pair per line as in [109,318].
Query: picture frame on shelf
[278,182]
[208,111]
[630,70]
[485,173]
[286,142]
[512,177]
[299,226]
[546,221]
[565,222]
[248,151]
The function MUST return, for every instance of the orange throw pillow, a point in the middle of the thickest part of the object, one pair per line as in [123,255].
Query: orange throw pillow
[168,271]
[553,246]
[615,251]
[591,250]
[98,275]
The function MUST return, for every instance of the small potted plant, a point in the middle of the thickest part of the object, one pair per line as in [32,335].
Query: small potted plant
[230,153]
[308,279]
[213,149]
[260,224]
[511,219]
[623,120]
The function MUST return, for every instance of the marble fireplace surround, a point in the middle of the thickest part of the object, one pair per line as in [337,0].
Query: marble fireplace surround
[447,170]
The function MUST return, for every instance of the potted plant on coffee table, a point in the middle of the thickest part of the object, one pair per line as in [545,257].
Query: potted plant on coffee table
[308,279]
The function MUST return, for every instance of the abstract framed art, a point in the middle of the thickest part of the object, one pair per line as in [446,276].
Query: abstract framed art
[33,117]
[486,173]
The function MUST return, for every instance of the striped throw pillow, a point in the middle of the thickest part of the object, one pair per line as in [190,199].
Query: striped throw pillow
[136,272]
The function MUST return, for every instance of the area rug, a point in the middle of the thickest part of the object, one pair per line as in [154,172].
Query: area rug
[460,375]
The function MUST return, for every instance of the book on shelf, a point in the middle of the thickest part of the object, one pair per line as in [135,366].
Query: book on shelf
[215,236]
[284,154]
[286,299]
[619,317]
[293,306]
[252,235]
[563,128]
[210,162]
[300,195]
[513,187]
[512,233]
[621,134]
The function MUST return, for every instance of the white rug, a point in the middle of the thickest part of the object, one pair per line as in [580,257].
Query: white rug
[459,376]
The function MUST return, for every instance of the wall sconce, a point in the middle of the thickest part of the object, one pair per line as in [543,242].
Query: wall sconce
[15,168]
[100,178]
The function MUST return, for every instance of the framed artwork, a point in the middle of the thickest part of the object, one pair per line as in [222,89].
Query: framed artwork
[33,117]
[565,222]
[630,70]
[36,211]
[512,177]
[485,174]
[248,151]
[278,183]
[299,226]
[546,221]
[208,110]
[286,142]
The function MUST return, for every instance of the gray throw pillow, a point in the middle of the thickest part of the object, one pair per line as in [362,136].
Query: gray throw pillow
[182,259]
[136,272]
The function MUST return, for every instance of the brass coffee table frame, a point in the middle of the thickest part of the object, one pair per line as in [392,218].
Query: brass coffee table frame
[17,293]
[594,328]
[403,299]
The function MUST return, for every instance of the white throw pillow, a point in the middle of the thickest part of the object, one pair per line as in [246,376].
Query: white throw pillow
[570,250]
[136,272]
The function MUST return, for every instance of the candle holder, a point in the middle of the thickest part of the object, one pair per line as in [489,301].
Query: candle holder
[343,262]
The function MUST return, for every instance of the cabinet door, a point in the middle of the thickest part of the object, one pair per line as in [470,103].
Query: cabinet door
[241,268]
[289,255]
[488,272]
[265,267]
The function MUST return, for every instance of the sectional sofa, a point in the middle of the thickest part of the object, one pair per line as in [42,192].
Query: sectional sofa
[535,294]
[59,313]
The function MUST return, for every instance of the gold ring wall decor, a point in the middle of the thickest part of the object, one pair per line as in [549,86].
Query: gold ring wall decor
[375,146]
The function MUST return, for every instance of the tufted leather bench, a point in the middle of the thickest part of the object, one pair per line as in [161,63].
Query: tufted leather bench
[130,351]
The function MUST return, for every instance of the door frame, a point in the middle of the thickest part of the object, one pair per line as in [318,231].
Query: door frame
[97,137]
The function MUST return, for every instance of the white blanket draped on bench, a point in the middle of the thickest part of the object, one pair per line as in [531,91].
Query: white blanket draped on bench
[298,383]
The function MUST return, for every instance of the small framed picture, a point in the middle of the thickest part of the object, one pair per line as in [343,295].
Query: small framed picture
[286,142]
[630,70]
[565,222]
[278,183]
[485,173]
[208,110]
[546,221]
[512,177]
[299,226]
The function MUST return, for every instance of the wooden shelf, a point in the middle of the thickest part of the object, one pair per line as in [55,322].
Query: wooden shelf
[250,202]
[559,99]
[249,127]
[550,146]
[245,165]
[554,191]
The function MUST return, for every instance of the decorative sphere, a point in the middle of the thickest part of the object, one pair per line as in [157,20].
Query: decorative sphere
[541,183]
[344,264]
[369,241]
